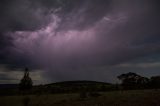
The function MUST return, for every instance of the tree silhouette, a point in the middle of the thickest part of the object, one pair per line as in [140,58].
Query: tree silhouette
[132,80]
[26,81]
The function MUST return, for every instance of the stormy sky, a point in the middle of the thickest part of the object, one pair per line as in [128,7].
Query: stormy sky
[61,40]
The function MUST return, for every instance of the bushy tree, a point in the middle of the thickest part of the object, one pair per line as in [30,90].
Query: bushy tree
[132,80]
[26,81]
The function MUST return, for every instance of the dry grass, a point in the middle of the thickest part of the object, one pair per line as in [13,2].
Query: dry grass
[116,98]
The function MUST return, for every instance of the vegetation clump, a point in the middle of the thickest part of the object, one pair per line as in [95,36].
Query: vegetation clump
[26,82]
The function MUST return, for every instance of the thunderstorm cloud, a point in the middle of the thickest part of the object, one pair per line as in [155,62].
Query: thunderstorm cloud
[78,39]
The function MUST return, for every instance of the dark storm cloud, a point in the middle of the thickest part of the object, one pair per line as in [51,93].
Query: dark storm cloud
[77,36]
[30,15]
[17,15]
[20,15]
[85,14]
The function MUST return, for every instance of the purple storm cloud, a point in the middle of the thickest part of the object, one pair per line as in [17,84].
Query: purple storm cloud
[87,39]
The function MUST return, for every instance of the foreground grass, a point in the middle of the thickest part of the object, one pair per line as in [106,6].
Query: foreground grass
[115,98]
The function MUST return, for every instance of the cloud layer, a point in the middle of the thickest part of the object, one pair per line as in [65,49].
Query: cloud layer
[73,40]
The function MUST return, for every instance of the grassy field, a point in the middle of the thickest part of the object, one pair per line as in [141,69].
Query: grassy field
[114,98]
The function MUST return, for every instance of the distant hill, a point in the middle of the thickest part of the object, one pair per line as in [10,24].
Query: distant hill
[74,86]
[78,83]
[60,87]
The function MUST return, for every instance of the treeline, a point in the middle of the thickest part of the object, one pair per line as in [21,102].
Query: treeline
[129,81]
[134,81]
